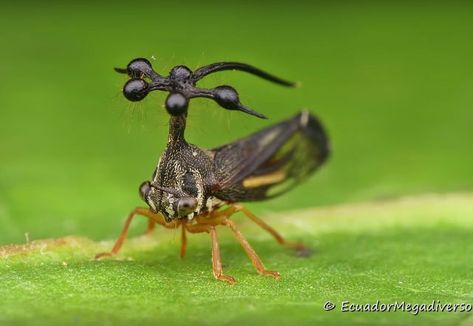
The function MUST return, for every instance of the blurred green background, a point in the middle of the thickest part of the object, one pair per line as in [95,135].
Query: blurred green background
[392,82]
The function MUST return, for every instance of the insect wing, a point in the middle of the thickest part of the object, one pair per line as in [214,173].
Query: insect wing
[271,161]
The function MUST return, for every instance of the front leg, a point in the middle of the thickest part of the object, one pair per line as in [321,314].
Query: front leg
[221,217]
[216,259]
[146,212]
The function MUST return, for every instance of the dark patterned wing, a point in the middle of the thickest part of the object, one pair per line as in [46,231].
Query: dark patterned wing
[271,161]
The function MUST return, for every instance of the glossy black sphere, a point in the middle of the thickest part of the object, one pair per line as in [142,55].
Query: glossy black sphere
[135,90]
[176,104]
[227,97]
[139,66]
[180,73]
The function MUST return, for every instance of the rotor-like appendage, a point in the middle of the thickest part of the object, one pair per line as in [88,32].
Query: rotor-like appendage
[181,85]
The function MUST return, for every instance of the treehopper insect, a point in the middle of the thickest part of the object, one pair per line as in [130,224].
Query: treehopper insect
[198,190]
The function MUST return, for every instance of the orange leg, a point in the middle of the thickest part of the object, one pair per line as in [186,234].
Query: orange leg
[257,263]
[183,241]
[273,232]
[216,259]
[150,228]
[156,218]
[197,228]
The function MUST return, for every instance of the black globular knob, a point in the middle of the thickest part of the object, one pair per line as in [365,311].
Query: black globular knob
[138,66]
[180,73]
[135,89]
[176,104]
[227,97]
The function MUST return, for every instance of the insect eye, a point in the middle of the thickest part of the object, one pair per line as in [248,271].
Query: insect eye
[186,205]
[176,104]
[138,66]
[145,188]
[227,97]
[135,89]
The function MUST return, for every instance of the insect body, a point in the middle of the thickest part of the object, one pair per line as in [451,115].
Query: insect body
[199,189]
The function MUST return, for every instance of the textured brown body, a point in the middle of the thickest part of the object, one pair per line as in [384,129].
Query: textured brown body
[278,157]
[261,166]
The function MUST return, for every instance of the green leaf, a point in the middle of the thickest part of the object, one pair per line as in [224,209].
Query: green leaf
[413,249]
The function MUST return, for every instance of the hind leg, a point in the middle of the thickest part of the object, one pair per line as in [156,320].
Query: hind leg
[278,237]
[257,263]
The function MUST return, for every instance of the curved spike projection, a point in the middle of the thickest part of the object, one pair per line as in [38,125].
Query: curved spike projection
[221,66]
[181,85]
